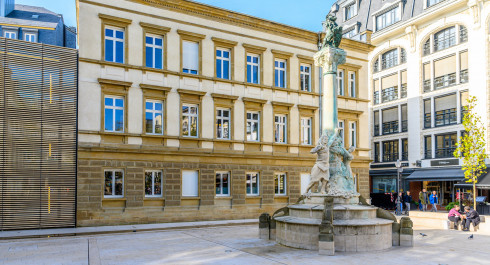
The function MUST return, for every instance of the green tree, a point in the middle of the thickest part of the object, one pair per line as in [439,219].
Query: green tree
[471,147]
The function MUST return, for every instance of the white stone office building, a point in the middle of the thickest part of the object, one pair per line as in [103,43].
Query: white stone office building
[429,56]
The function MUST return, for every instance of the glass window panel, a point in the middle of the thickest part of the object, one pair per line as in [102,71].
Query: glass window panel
[109,50]
[119,120]
[118,183]
[109,33]
[108,183]
[158,41]
[119,34]
[158,59]
[158,183]
[119,52]
[148,183]
[109,118]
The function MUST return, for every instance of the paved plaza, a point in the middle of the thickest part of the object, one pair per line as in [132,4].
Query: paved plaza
[232,245]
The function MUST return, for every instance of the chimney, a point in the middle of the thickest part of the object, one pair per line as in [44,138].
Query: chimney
[6,6]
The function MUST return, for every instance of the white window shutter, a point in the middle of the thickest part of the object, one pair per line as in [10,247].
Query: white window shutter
[190,183]
[191,55]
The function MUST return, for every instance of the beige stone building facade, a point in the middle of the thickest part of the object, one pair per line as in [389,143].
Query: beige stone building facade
[190,112]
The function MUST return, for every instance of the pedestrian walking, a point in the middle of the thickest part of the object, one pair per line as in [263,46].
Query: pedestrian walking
[434,200]
[407,199]
[423,199]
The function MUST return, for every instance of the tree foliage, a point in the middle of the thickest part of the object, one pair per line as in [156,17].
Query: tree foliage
[471,147]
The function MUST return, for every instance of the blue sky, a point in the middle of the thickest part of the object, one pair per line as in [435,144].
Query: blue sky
[306,14]
[65,7]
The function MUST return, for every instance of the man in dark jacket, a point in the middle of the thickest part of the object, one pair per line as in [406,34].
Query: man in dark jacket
[407,199]
[424,199]
[471,216]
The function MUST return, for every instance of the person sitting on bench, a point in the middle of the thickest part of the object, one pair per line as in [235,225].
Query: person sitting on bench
[454,216]
[471,216]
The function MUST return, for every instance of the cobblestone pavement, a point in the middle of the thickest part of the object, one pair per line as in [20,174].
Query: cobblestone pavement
[232,245]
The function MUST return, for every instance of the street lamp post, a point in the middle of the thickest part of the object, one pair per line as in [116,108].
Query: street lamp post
[399,170]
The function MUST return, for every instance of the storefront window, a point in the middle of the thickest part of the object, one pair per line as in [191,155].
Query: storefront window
[384,184]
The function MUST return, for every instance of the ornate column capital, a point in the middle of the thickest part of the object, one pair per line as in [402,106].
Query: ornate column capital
[329,58]
[411,32]
[475,11]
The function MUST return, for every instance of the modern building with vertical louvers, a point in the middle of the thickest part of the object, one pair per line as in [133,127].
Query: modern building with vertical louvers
[429,56]
[38,148]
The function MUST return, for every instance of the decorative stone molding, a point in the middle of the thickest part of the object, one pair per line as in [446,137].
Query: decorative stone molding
[411,32]
[329,59]
[475,11]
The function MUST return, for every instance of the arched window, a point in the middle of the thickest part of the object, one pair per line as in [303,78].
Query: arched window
[445,38]
[427,47]
[463,34]
[389,59]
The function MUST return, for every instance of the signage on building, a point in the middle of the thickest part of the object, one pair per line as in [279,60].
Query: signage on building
[444,162]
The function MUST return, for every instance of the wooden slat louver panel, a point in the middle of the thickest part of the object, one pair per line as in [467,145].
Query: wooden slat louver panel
[39,101]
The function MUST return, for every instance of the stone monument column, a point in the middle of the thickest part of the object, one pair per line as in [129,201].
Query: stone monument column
[329,58]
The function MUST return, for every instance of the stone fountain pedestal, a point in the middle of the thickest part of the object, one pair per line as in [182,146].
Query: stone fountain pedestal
[355,227]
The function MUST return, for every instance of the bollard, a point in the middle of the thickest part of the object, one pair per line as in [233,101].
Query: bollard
[264,226]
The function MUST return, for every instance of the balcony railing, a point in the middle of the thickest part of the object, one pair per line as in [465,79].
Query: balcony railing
[390,127]
[390,157]
[446,117]
[445,81]
[427,120]
[426,85]
[403,91]
[463,76]
[389,94]
[376,158]
[376,130]
[445,152]
[428,154]
[404,126]
[404,156]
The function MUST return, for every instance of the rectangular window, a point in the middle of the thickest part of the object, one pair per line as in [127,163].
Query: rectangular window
[154,117]
[223,123]
[376,123]
[445,145]
[427,113]
[153,184]
[280,184]
[350,33]
[376,152]
[114,184]
[353,134]
[352,84]
[190,60]
[428,147]
[464,104]
[306,131]
[341,131]
[223,66]
[404,109]
[389,88]
[253,126]
[340,82]
[427,77]
[403,92]
[154,51]
[390,120]
[114,114]
[388,18]
[280,73]
[445,110]
[252,183]
[190,183]
[253,68]
[280,128]
[390,151]
[114,45]
[305,77]
[222,183]
[445,72]
[30,37]
[10,34]
[463,62]
[190,120]
[404,149]
[350,11]
[433,2]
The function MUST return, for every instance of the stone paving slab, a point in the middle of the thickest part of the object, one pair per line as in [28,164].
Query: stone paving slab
[4,235]
[233,245]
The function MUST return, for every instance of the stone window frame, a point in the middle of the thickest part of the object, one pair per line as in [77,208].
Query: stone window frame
[223,196]
[155,197]
[307,60]
[190,198]
[153,92]
[225,44]
[114,88]
[254,104]
[306,111]
[252,49]
[192,37]
[191,97]
[282,108]
[227,102]
[258,195]
[281,55]
[155,30]
[112,21]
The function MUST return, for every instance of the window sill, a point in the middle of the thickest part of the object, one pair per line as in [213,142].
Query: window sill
[227,197]
[114,199]
[189,198]
[154,199]
[249,196]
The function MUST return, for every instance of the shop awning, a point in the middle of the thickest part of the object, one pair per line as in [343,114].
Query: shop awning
[483,182]
[443,174]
